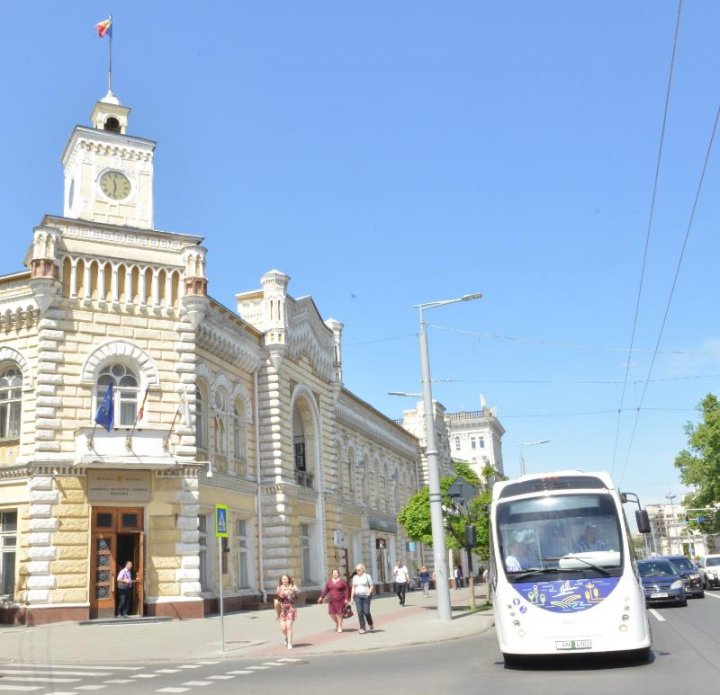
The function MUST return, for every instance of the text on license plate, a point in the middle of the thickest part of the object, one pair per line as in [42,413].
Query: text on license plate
[659,594]
[574,644]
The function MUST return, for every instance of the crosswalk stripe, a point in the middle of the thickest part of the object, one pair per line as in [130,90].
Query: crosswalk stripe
[167,670]
[220,678]
[47,671]
[40,679]
[118,681]
[20,688]
[198,683]
[240,673]
[172,690]
[82,666]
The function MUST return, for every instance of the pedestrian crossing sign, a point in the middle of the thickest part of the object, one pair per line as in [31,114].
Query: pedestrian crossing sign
[221,526]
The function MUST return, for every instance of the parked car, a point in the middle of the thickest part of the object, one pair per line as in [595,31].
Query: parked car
[690,575]
[661,582]
[710,571]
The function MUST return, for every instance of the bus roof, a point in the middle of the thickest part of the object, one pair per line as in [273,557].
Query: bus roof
[557,480]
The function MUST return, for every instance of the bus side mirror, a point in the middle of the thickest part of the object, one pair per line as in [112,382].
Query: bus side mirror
[642,520]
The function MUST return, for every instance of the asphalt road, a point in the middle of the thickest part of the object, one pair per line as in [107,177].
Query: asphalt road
[686,658]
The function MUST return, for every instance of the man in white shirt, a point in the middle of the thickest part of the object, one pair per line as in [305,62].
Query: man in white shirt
[401,574]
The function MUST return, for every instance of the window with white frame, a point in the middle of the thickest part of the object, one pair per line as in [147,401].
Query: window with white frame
[305,553]
[8,543]
[457,443]
[125,392]
[10,403]
[482,442]
[243,547]
[472,442]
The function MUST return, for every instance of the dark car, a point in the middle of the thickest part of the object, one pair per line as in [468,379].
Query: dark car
[689,573]
[661,582]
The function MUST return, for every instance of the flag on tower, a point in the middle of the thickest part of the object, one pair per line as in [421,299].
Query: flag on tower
[104,28]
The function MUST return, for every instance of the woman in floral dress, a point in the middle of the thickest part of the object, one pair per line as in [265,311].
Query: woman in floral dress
[287,594]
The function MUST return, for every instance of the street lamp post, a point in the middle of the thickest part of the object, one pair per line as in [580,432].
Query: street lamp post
[522,446]
[436,513]
[672,524]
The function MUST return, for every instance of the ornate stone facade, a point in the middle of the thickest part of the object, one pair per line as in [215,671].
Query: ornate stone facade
[209,407]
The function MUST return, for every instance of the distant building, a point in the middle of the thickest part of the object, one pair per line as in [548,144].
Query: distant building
[670,534]
[471,436]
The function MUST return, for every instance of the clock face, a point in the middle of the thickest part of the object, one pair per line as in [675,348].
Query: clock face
[115,185]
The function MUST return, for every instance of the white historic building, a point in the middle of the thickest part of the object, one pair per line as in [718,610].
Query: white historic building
[471,436]
[240,411]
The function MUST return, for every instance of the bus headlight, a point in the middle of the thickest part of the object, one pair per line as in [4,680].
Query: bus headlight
[677,584]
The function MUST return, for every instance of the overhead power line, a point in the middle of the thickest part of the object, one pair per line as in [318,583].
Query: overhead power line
[649,230]
[674,282]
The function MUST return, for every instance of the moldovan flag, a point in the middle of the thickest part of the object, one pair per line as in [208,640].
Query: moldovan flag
[104,28]
[142,405]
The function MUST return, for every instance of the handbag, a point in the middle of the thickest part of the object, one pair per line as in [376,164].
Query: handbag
[276,605]
[347,611]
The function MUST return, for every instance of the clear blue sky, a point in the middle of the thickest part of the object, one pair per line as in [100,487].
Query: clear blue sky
[385,154]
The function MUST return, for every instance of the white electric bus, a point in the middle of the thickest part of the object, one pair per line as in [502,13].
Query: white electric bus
[563,571]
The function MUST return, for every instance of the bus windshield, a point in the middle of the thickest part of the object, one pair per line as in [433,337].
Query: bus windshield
[559,537]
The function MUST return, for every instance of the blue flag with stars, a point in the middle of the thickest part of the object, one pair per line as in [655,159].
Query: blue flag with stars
[106,410]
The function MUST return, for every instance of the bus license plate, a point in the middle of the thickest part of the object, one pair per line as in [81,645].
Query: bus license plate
[573,644]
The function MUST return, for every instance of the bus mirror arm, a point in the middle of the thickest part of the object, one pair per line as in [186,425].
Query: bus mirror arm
[641,516]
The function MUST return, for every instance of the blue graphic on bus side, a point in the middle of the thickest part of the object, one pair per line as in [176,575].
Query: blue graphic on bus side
[569,595]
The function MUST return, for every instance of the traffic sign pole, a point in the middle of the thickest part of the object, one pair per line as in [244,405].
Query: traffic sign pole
[221,531]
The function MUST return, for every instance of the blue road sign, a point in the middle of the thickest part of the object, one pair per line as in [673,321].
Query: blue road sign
[221,525]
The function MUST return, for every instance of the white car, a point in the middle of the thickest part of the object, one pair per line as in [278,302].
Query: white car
[710,571]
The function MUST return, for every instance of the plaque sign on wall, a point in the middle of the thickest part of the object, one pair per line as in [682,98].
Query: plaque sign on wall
[119,485]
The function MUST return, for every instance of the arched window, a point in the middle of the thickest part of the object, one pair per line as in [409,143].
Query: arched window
[200,415]
[125,388]
[238,437]
[10,403]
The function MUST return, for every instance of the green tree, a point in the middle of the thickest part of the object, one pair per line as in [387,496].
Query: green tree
[699,464]
[415,516]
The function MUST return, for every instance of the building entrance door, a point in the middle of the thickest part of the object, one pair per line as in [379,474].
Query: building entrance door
[116,537]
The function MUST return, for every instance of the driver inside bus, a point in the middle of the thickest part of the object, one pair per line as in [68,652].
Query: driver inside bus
[517,558]
[589,540]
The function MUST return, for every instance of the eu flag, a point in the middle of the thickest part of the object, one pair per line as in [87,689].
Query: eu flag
[106,410]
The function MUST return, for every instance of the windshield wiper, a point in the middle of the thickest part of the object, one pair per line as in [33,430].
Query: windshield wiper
[537,572]
[597,568]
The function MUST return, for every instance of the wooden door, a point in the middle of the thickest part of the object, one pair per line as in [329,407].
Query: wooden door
[139,563]
[102,579]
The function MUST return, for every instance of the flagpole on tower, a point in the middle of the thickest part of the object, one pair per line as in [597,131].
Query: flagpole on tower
[104,29]
[110,33]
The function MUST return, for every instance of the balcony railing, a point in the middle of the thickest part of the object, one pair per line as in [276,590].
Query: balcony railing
[303,478]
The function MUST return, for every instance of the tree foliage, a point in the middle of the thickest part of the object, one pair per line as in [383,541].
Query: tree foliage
[416,520]
[699,464]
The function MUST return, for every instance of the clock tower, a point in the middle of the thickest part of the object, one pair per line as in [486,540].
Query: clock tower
[108,173]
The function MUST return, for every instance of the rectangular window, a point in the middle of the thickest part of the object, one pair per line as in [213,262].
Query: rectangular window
[482,442]
[300,454]
[8,542]
[305,551]
[202,540]
[457,443]
[472,442]
[243,547]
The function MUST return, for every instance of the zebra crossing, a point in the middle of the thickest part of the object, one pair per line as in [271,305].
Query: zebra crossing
[57,679]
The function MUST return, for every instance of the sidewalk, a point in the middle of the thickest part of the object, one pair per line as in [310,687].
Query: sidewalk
[250,634]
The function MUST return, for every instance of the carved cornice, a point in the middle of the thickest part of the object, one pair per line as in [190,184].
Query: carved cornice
[384,432]
[228,342]
[308,336]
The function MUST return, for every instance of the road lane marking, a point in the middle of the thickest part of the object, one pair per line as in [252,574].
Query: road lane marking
[707,593]
[656,615]
[240,673]
[20,688]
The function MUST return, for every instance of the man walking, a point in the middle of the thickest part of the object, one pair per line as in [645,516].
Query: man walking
[401,574]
